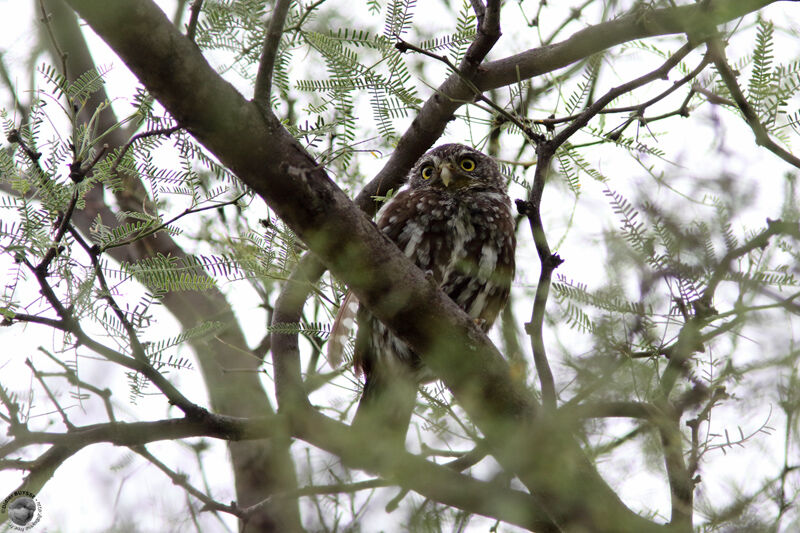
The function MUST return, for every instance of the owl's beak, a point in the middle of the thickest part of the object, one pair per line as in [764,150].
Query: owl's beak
[446,174]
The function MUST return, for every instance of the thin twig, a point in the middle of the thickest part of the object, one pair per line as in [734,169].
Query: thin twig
[72,377]
[13,410]
[640,108]
[64,221]
[763,138]
[156,229]
[548,262]
[181,480]
[269,52]
[532,136]
[307,13]
[40,378]
[723,268]
[69,324]
[45,20]
[151,133]
[15,137]
[105,293]
[191,27]
[583,118]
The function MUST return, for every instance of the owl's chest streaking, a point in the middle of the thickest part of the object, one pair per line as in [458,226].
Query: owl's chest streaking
[465,240]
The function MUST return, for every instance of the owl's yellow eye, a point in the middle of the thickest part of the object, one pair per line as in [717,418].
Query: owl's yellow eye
[468,164]
[427,172]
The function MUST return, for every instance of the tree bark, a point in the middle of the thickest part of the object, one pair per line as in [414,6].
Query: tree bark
[261,467]
[539,449]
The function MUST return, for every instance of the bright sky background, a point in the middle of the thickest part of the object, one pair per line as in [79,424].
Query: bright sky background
[89,494]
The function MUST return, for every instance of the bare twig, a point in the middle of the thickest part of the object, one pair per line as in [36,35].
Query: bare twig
[269,52]
[583,118]
[13,410]
[191,27]
[640,108]
[548,262]
[45,20]
[181,480]
[40,378]
[63,224]
[72,377]
[156,229]
[137,349]
[15,137]
[138,364]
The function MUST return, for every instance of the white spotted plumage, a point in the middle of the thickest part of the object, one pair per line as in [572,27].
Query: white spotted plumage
[461,232]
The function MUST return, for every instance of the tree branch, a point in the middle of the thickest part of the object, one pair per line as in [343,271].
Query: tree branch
[763,138]
[191,27]
[269,51]
[260,467]
[438,482]
[697,20]
[394,290]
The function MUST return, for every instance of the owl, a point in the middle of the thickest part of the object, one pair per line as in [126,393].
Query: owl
[454,220]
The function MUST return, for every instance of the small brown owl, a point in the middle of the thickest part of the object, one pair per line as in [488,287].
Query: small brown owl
[455,222]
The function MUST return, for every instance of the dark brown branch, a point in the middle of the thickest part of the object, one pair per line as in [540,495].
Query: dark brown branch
[694,19]
[488,34]
[269,51]
[437,482]
[61,229]
[548,262]
[584,117]
[194,17]
[33,319]
[246,140]
[404,46]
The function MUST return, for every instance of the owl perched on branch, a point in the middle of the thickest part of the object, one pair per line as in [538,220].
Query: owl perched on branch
[455,222]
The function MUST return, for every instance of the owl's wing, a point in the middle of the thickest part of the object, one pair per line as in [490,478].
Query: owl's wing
[342,329]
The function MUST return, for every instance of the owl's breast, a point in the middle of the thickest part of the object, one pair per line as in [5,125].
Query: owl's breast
[465,241]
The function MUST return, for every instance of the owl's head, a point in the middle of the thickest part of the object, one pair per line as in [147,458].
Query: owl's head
[456,167]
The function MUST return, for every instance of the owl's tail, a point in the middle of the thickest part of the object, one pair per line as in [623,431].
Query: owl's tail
[384,411]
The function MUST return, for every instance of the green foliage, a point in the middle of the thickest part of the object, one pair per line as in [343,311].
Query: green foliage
[340,87]
[39,172]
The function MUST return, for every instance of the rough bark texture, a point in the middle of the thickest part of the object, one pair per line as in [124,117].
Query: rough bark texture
[261,468]
[267,158]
